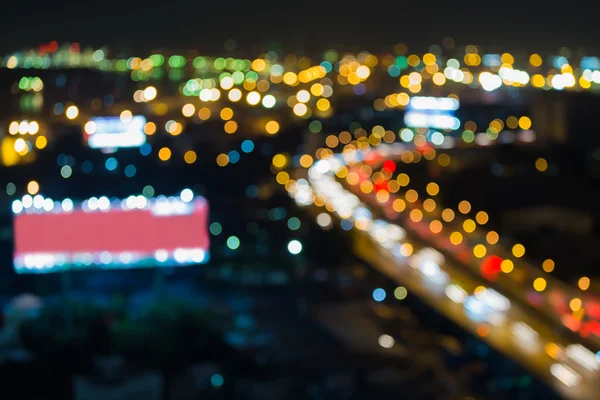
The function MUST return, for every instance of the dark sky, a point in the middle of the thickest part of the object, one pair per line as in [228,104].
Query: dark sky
[306,24]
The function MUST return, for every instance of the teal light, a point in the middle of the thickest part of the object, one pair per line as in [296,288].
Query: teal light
[233,242]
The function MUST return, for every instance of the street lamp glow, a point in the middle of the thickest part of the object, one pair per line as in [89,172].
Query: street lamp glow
[294,247]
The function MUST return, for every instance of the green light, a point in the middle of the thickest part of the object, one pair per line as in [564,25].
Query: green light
[176,61]
[252,76]
[199,62]
[402,62]
[468,136]
[219,63]
[216,229]
[238,77]
[98,55]
[400,293]
[157,60]
[148,191]
[121,65]
[315,126]
[24,83]
[331,56]
[233,242]
[293,224]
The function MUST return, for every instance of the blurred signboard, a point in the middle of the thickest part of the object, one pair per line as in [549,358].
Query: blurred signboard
[113,132]
[101,233]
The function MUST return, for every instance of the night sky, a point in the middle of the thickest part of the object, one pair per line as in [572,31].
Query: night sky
[306,25]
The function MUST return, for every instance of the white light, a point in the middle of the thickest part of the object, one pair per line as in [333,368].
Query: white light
[324,220]
[268,101]
[48,205]
[197,255]
[187,195]
[141,202]
[294,247]
[181,255]
[105,257]
[455,293]
[161,255]
[111,132]
[205,95]
[103,203]
[67,205]
[130,203]
[92,204]
[489,82]
[386,341]
[17,206]
[322,166]
[23,127]
[495,300]
[565,374]
[150,93]
[434,103]
[27,201]
[583,357]
[38,201]
[424,120]
[558,82]
[527,335]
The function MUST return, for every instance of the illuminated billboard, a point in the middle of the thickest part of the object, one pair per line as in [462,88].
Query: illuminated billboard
[432,112]
[103,233]
[113,132]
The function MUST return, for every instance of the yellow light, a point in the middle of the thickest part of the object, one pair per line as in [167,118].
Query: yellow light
[406,249]
[518,250]
[188,110]
[33,187]
[399,205]
[481,217]
[230,127]
[433,188]
[469,225]
[507,266]
[480,291]
[12,62]
[575,304]
[403,99]
[538,80]
[456,238]
[190,157]
[541,164]
[149,128]
[300,109]
[479,251]
[126,116]
[323,104]
[584,283]
[411,195]
[72,112]
[435,226]
[204,113]
[279,161]
[416,215]
[259,65]
[539,284]
[272,127]
[222,160]
[282,177]
[553,350]
[439,78]
[41,142]
[383,196]
[174,128]
[164,154]
[306,161]
[492,237]
[448,215]
[524,123]
[226,114]
[429,205]
[235,95]
[464,207]
[317,89]
[366,186]
[548,265]
[535,60]
[290,78]
[403,179]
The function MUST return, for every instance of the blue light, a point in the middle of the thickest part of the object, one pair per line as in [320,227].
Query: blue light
[346,224]
[61,80]
[217,380]
[359,89]
[247,146]
[234,156]
[87,167]
[327,65]
[62,160]
[394,71]
[145,149]
[252,191]
[130,171]
[59,108]
[111,164]
[108,100]
[379,294]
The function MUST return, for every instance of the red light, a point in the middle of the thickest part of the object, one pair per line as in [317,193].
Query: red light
[389,166]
